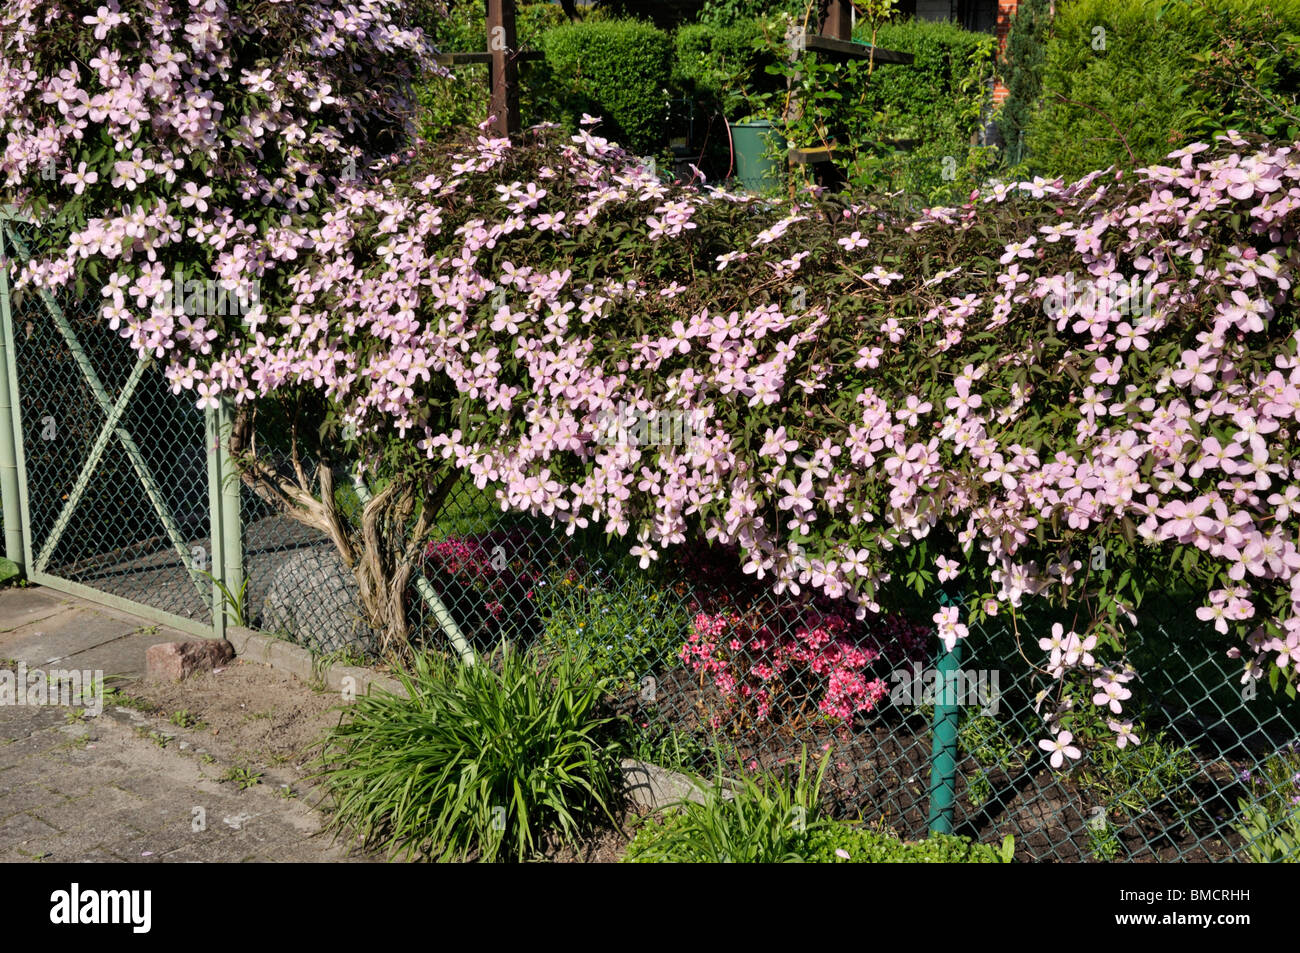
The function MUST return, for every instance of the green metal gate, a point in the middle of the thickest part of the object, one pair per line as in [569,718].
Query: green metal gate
[114,481]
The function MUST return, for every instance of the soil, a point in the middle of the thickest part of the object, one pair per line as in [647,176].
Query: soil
[270,724]
[604,846]
[249,715]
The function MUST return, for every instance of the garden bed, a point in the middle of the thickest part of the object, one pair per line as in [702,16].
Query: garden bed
[880,772]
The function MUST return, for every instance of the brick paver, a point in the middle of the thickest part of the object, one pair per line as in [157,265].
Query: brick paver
[123,786]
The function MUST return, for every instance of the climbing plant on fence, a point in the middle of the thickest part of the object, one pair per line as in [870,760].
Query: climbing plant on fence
[163,147]
[1060,394]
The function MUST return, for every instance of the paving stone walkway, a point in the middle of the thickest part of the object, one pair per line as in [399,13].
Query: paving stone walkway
[123,785]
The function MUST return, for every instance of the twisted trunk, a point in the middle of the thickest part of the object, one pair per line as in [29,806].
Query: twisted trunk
[382,552]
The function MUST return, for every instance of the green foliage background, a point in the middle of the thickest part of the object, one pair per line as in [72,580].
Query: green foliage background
[1170,72]
[619,70]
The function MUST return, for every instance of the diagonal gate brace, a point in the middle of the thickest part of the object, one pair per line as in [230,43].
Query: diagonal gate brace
[113,413]
[87,468]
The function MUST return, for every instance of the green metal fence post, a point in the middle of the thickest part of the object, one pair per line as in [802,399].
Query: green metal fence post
[943,758]
[212,437]
[8,431]
[231,538]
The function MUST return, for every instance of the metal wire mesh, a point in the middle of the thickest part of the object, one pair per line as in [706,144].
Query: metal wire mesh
[116,465]
[297,585]
[711,668]
[1205,743]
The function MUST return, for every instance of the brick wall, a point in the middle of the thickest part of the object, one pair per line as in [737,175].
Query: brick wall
[1006,8]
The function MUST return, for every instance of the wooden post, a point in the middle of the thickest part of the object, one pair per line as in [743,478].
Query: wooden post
[838,20]
[503,72]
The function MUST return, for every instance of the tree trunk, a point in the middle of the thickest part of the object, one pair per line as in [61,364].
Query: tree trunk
[381,553]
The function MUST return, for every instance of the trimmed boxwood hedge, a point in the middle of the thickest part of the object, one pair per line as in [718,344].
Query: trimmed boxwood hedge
[939,101]
[618,70]
[711,62]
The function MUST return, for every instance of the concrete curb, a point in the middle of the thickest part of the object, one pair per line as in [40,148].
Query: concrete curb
[297,661]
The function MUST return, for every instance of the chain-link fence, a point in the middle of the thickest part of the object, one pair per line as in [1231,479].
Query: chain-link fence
[709,665]
[712,668]
[113,465]
[297,584]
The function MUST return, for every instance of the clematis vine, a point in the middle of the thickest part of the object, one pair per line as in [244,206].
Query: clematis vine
[881,398]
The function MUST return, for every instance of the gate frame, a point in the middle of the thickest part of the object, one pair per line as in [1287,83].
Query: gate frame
[224,530]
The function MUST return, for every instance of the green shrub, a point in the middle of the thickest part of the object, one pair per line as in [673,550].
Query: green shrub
[1270,816]
[866,846]
[1125,82]
[1021,68]
[1100,104]
[1269,840]
[725,13]
[622,624]
[1249,76]
[618,70]
[767,818]
[719,65]
[450,107]
[476,761]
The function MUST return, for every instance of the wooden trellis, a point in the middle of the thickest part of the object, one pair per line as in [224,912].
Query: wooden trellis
[502,58]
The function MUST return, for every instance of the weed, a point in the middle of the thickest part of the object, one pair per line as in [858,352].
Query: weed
[234,604]
[117,698]
[242,776]
[763,818]
[157,737]
[183,718]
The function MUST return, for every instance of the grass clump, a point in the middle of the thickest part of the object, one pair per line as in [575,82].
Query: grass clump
[476,762]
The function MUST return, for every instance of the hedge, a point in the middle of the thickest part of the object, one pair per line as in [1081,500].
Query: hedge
[939,100]
[719,66]
[447,108]
[1021,70]
[618,70]
[1126,81]
[723,13]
